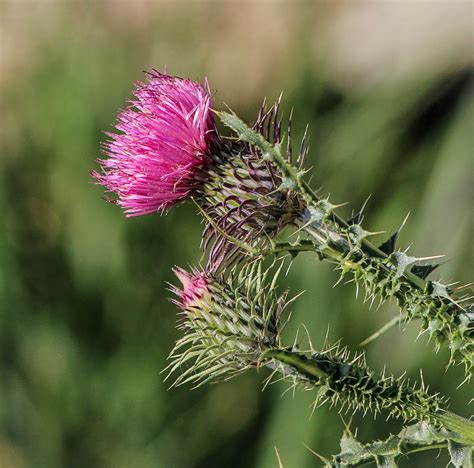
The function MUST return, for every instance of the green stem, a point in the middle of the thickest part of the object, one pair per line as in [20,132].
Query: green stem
[357,383]
[366,246]
[297,361]
[383,275]
[459,425]
[273,154]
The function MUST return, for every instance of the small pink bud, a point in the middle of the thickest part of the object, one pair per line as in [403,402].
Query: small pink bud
[194,286]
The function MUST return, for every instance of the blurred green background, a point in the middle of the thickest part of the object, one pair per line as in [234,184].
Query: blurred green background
[85,323]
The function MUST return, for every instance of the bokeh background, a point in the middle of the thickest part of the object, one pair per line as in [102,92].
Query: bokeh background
[85,321]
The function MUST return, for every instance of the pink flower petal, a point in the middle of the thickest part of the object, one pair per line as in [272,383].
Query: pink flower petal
[166,134]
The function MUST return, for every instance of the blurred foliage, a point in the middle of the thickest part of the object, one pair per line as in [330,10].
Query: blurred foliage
[85,324]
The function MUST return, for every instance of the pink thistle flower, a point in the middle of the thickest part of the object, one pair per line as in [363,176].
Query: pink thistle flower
[194,286]
[157,160]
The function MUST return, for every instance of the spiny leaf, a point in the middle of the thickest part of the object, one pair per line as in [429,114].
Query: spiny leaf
[461,455]
[423,271]
[358,217]
[388,247]
[410,439]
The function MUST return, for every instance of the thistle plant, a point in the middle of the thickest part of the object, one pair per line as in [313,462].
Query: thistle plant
[235,324]
[383,271]
[251,191]
[169,151]
[411,439]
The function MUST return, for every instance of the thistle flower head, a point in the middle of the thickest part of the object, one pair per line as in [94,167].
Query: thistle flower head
[168,149]
[166,134]
[227,323]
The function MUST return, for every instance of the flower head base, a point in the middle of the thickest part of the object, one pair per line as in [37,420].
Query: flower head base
[228,324]
[167,131]
[244,197]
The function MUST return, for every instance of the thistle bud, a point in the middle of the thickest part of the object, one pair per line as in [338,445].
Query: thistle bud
[227,325]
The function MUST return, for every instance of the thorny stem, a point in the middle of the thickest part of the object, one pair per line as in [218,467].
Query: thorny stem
[424,449]
[384,275]
[366,246]
[458,424]
[416,438]
[273,154]
[318,372]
